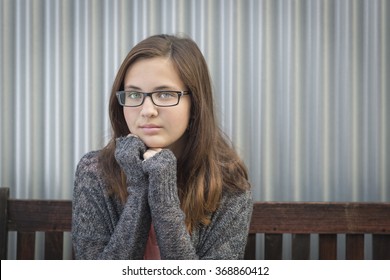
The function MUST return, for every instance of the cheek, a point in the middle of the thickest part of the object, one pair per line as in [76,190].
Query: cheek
[184,120]
[180,126]
[176,123]
[129,118]
[185,115]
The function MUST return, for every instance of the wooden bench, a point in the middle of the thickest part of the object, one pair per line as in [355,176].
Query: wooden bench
[29,217]
[271,222]
[365,227]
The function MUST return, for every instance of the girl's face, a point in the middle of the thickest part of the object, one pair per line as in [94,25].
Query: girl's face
[158,127]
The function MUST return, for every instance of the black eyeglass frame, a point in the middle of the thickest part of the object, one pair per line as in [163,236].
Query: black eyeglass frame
[180,93]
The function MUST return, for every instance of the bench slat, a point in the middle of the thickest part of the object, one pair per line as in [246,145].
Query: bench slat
[273,246]
[54,245]
[354,247]
[381,247]
[328,247]
[4,195]
[39,215]
[25,246]
[300,247]
[297,217]
[250,249]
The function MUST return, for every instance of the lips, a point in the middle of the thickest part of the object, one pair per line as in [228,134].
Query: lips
[150,128]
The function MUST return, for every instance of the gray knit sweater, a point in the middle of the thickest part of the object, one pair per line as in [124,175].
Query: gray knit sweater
[104,228]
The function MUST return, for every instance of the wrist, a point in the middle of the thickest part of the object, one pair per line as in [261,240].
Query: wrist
[161,171]
[162,162]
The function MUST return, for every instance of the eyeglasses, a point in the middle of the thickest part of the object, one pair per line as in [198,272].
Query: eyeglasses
[161,98]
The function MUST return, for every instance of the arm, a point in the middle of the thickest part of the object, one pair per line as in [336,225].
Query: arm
[168,219]
[101,228]
[224,238]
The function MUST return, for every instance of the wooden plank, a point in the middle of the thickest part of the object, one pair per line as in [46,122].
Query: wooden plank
[4,195]
[273,246]
[54,245]
[300,247]
[381,246]
[354,247]
[25,247]
[39,215]
[328,247]
[250,248]
[335,217]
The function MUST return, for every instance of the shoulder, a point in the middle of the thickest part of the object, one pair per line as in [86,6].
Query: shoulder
[90,157]
[89,182]
[236,201]
[89,161]
[88,167]
[90,192]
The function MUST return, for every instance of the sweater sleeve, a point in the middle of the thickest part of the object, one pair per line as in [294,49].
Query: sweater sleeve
[101,229]
[224,238]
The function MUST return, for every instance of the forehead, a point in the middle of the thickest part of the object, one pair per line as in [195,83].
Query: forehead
[150,73]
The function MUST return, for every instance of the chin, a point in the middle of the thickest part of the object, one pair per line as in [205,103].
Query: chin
[154,144]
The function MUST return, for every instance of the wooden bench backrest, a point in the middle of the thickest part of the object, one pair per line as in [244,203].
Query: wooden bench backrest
[27,217]
[273,220]
[327,219]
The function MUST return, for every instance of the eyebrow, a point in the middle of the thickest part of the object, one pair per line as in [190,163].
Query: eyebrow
[131,87]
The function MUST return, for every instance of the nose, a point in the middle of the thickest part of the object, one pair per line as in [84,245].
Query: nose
[148,108]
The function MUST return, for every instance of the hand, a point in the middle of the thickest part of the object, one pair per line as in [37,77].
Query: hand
[160,168]
[128,153]
[151,152]
[159,161]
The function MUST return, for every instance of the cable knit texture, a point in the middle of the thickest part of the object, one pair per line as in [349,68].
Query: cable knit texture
[103,228]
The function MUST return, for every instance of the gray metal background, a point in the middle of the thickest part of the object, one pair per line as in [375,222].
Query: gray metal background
[301,87]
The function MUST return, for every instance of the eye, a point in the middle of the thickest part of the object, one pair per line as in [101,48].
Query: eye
[134,95]
[166,95]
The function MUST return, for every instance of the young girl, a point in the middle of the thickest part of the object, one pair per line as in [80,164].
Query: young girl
[168,185]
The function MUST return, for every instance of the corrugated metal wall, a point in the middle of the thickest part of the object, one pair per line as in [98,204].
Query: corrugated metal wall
[302,88]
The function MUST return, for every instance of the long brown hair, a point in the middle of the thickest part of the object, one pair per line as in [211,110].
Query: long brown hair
[208,163]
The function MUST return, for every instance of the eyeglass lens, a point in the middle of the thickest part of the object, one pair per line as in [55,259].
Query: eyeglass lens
[159,98]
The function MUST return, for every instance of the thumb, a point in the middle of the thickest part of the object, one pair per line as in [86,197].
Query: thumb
[151,152]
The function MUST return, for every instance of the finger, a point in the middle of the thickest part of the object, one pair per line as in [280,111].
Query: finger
[151,152]
[132,135]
